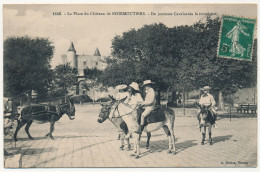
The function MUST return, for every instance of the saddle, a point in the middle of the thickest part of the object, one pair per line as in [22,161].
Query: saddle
[157,115]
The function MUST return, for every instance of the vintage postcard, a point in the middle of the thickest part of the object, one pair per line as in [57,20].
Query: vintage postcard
[130,85]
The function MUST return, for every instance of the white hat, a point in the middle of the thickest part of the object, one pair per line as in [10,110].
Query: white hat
[206,88]
[146,82]
[135,86]
[121,87]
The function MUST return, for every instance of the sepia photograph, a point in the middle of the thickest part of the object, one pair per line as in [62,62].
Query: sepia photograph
[130,85]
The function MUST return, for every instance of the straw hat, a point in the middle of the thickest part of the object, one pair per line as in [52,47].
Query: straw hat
[135,86]
[121,87]
[206,88]
[148,82]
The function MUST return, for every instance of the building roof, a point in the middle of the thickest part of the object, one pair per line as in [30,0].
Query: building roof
[97,53]
[71,47]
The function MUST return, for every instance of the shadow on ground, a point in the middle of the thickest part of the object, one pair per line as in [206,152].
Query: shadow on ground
[45,137]
[221,138]
[33,151]
[162,145]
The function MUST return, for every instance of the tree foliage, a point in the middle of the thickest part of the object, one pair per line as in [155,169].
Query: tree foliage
[177,58]
[64,76]
[92,74]
[27,65]
[203,67]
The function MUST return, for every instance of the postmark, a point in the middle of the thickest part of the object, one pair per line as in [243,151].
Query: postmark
[236,38]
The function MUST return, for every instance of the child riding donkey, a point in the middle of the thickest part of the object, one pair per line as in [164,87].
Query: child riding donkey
[148,103]
[121,94]
[207,99]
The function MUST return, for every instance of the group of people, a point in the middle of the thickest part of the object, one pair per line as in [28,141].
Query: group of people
[133,98]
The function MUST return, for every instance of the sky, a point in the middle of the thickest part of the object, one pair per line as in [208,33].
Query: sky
[88,32]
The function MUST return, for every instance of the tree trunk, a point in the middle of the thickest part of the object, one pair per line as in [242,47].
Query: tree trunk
[167,96]
[158,101]
[183,97]
[93,96]
[174,99]
[30,97]
[21,101]
[220,101]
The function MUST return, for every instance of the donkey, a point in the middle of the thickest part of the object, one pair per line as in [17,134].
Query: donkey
[43,114]
[119,124]
[206,120]
[160,118]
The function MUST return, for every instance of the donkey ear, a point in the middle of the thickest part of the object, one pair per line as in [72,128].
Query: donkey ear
[112,98]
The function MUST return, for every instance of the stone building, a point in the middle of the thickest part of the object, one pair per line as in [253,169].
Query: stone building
[81,62]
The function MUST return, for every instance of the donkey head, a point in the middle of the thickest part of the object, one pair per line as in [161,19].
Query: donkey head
[105,111]
[204,110]
[69,109]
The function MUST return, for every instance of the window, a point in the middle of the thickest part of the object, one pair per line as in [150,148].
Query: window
[84,63]
[96,63]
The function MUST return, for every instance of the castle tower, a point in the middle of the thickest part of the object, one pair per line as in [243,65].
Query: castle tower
[72,57]
[97,53]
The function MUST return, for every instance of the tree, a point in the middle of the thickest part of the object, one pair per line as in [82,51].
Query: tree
[92,76]
[146,53]
[27,65]
[203,67]
[64,77]
[179,58]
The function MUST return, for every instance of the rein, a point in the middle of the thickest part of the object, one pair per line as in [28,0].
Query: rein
[58,109]
[120,116]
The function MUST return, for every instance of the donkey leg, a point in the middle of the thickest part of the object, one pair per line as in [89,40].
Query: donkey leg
[210,139]
[128,144]
[52,129]
[122,137]
[203,135]
[172,139]
[137,155]
[167,132]
[21,123]
[148,140]
[27,127]
[135,138]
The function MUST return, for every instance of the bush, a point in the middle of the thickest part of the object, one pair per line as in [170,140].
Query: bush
[84,98]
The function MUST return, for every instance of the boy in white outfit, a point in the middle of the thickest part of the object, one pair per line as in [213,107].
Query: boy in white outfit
[135,96]
[207,99]
[148,103]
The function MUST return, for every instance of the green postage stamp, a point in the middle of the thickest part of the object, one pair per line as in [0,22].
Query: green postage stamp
[236,38]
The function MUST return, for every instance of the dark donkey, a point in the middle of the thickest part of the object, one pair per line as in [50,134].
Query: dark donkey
[206,120]
[43,114]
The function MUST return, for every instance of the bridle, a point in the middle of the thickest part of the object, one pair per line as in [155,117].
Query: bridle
[205,112]
[126,104]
